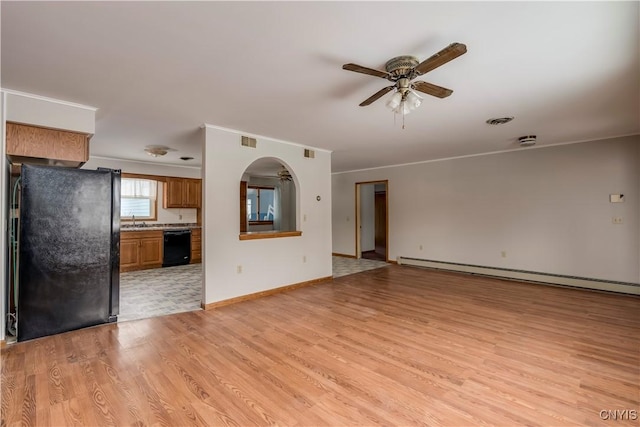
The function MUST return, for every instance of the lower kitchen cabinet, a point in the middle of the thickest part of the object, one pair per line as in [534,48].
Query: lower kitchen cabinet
[196,245]
[140,250]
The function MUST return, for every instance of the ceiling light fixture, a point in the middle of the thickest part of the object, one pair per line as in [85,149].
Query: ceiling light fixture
[157,150]
[404,100]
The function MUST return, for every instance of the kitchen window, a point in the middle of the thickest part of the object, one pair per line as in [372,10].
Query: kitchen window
[138,199]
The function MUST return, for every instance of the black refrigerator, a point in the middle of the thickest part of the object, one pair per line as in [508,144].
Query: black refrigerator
[69,257]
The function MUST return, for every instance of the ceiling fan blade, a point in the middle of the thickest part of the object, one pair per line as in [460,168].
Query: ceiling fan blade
[376,95]
[431,89]
[445,55]
[364,70]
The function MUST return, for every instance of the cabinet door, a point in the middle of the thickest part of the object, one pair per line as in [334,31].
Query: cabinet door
[173,193]
[34,141]
[196,246]
[129,254]
[151,251]
[192,190]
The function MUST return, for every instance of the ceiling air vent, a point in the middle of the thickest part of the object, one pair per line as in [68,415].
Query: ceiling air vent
[499,120]
[310,154]
[248,142]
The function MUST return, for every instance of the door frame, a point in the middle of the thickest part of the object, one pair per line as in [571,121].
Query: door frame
[358,211]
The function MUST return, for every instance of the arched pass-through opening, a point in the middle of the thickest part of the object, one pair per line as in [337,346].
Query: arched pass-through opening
[268,200]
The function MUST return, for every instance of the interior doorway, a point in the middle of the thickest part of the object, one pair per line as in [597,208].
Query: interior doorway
[372,220]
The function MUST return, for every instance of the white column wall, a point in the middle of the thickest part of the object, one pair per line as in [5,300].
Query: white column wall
[265,263]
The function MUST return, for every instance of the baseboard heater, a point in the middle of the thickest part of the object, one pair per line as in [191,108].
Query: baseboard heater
[526,276]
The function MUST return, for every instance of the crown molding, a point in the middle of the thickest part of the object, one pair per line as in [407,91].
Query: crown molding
[256,136]
[146,162]
[44,98]
[490,153]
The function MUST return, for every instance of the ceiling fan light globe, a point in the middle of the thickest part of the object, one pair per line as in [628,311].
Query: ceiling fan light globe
[395,100]
[413,100]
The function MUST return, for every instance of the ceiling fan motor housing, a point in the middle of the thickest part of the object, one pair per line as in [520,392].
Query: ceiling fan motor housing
[401,65]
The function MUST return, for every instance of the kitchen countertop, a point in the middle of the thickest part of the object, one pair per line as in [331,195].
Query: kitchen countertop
[152,227]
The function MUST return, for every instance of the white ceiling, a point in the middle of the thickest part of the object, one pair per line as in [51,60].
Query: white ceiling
[156,71]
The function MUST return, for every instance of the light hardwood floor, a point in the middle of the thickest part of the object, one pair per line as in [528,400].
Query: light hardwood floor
[394,346]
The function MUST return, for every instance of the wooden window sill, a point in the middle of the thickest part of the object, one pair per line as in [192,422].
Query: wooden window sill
[253,235]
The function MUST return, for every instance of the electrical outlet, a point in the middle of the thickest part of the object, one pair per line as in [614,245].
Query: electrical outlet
[503,254]
[304,217]
[420,247]
[180,216]
[304,258]
[616,220]
[239,269]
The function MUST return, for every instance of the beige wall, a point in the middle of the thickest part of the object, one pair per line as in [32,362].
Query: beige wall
[547,208]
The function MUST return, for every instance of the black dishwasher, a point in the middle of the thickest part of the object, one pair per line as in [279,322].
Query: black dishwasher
[177,247]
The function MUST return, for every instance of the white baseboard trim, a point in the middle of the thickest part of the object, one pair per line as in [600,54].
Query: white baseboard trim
[526,276]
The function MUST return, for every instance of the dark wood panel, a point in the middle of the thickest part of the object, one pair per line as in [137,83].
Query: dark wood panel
[243,207]
[394,346]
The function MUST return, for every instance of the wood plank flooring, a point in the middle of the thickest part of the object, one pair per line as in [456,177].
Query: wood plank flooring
[393,346]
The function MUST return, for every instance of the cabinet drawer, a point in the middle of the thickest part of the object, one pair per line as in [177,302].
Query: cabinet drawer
[140,234]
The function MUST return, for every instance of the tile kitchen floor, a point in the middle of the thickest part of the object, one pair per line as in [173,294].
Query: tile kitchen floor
[163,291]
[160,291]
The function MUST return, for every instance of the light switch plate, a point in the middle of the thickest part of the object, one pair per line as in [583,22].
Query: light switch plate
[616,198]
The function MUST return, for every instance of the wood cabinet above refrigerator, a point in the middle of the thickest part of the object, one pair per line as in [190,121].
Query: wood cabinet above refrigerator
[44,146]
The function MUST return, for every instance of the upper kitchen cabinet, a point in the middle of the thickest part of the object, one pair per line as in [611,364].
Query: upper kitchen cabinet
[39,145]
[182,193]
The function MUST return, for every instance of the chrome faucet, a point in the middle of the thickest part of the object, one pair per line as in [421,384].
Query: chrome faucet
[134,220]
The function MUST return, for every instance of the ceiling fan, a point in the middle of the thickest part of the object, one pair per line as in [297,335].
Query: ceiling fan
[401,70]
[284,174]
